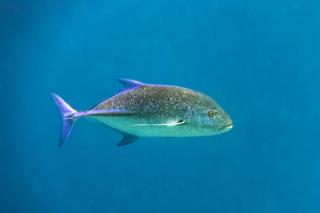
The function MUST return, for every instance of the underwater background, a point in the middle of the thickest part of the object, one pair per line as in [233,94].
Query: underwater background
[258,59]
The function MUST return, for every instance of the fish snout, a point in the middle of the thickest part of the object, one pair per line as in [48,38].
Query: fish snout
[227,124]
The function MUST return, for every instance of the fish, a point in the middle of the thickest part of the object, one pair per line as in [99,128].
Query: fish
[150,110]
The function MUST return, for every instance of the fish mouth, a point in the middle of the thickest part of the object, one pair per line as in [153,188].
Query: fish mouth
[226,127]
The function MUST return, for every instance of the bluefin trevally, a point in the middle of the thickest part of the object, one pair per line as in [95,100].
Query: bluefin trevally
[151,110]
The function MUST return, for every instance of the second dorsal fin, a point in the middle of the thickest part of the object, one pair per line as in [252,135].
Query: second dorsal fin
[129,83]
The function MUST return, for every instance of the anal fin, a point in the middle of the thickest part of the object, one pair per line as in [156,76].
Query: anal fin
[127,139]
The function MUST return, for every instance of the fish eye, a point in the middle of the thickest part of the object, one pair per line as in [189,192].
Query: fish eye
[212,113]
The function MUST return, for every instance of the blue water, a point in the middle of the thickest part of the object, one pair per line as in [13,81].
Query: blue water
[258,59]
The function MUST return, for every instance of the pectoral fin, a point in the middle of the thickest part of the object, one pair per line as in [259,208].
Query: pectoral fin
[127,139]
[168,124]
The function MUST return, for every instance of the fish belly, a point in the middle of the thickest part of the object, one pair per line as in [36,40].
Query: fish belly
[144,128]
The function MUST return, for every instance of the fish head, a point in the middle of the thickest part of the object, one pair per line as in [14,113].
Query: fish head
[208,118]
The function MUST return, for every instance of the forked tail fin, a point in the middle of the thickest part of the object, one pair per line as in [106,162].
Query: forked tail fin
[68,117]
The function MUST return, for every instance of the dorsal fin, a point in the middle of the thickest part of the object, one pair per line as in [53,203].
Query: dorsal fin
[129,83]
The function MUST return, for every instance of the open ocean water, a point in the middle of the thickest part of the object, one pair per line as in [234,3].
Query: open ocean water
[259,59]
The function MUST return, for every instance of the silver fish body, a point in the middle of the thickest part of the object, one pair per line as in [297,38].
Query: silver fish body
[149,110]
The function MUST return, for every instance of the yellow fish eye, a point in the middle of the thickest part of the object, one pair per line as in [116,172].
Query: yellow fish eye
[212,113]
